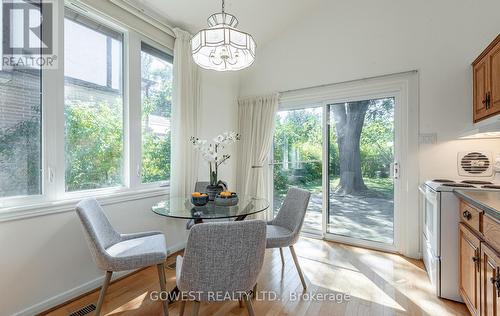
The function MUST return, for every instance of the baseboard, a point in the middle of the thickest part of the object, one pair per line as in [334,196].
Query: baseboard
[79,290]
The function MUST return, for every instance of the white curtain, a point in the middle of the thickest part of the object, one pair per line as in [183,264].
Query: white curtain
[256,117]
[185,106]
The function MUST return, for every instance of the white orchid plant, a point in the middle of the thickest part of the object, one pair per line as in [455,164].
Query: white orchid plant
[212,152]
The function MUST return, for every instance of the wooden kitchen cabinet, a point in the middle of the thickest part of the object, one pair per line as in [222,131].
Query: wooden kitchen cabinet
[471,216]
[490,281]
[494,77]
[470,269]
[480,89]
[479,258]
[486,82]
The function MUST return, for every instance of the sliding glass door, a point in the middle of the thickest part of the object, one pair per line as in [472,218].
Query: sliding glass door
[360,181]
[346,150]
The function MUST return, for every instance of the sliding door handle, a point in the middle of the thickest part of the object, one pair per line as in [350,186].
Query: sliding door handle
[395,170]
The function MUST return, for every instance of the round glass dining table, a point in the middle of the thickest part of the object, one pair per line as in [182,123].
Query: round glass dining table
[181,207]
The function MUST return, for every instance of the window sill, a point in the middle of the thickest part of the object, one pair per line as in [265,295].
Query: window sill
[65,205]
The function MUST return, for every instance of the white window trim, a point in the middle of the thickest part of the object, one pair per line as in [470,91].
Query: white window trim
[39,208]
[54,198]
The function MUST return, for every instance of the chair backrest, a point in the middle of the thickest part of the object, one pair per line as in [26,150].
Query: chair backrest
[98,230]
[201,186]
[292,212]
[223,259]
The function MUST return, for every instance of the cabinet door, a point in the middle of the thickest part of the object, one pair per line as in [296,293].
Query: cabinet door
[480,89]
[469,269]
[494,79]
[490,282]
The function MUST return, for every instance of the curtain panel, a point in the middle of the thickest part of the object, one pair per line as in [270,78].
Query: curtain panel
[185,108]
[256,117]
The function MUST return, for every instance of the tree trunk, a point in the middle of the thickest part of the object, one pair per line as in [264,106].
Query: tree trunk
[349,120]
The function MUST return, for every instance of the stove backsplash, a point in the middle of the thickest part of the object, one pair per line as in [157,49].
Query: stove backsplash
[442,160]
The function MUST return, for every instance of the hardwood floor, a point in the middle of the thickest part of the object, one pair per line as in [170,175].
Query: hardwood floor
[377,284]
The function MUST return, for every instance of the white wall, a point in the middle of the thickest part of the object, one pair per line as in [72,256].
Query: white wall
[218,114]
[339,41]
[348,40]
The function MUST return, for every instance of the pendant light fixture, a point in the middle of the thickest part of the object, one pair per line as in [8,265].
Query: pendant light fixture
[222,47]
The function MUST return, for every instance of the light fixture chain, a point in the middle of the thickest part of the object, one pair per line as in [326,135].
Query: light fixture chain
[223,6]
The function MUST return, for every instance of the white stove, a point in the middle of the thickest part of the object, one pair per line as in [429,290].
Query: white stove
[441,218]
[450,185]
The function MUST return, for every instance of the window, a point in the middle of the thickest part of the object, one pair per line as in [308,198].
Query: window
[95,134]
[20,132]
[93,104]
[156,93]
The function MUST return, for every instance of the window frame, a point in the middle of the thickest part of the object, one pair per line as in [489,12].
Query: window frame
[53,197]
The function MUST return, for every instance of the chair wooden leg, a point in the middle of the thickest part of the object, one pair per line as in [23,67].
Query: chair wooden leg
[104,288]
[182,307]
[248,303]
[240,303]
[196,308]
[296,261]
[163,286]
[282,257]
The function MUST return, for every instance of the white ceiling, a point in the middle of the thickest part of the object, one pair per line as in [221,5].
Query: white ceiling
[264,19]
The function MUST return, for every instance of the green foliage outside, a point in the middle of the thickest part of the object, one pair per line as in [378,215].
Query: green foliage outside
[94,145]
[18,144]
[156,100]
[298,137]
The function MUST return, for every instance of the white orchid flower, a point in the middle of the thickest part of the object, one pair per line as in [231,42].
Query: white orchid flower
[213,152]
[219,139]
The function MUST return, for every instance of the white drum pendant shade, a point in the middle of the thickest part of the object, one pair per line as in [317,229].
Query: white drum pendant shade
[222,47]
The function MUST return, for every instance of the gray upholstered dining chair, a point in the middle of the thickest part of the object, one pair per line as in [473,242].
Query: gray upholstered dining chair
[284,229]
[221,261]
[120,252]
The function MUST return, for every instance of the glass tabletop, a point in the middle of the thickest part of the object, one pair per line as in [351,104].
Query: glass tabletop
[181,207]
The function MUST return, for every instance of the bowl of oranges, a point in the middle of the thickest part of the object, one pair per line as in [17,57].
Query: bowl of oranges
[199,199]
[226,198]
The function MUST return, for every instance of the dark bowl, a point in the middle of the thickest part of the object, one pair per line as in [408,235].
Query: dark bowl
[227,201]
[199,200]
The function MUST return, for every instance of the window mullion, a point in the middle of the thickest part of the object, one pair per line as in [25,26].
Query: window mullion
[133,137]
[53,119]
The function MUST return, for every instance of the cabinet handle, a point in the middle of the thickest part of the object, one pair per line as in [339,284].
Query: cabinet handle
[496,281]
[488,99]
[475,259]
[467,215]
